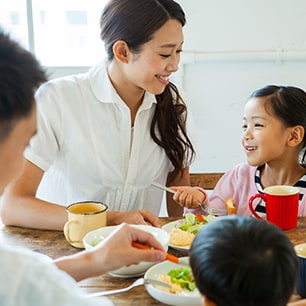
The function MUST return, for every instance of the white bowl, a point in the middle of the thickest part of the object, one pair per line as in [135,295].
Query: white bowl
[175,299]
[92,238]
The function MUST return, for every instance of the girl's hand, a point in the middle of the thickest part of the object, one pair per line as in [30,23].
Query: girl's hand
[188,196]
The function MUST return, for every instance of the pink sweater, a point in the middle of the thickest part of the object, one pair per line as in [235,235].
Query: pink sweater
[239,184]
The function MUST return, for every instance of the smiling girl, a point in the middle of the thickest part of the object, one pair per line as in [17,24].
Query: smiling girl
[107,134]
[274,125]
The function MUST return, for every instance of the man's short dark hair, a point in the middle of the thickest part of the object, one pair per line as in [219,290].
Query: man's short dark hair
[20,75]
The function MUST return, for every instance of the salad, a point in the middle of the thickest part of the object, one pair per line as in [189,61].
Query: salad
[183,233]
[193,223]
[183,277]
[179,279]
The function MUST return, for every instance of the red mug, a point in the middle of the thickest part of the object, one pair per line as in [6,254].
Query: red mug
[282,204]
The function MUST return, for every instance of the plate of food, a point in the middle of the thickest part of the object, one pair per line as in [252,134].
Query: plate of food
[183,290]
[182,232]
[93,238]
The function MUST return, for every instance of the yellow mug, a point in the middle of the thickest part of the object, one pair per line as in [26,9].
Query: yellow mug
[83,217]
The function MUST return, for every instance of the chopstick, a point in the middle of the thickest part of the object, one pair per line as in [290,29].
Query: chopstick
[155,184]
[168,256]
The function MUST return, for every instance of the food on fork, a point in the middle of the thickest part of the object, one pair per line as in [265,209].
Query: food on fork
[180,280]
[175,288]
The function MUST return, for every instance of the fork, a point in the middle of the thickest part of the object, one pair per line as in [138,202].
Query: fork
[157,185]
[213,211]
[137,282]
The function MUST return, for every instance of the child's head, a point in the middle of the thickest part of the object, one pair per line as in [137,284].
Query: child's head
[135,22]
[288,104]
[241,261]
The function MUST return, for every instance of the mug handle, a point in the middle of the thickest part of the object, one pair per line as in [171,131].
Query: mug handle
[67,232]
[252,198]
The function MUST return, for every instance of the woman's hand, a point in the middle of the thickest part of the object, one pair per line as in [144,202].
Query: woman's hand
[188,196]
[133,217]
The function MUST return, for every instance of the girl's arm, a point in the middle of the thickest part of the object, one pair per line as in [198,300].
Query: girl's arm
[185,196]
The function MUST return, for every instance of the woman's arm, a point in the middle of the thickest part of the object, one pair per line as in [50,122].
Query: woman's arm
[20,206]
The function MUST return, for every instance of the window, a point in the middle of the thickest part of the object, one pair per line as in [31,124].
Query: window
[59,32]
[13,18]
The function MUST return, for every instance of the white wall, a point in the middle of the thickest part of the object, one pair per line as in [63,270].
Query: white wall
[232,48]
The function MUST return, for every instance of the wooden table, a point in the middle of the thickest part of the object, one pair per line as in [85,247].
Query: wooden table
[53,244]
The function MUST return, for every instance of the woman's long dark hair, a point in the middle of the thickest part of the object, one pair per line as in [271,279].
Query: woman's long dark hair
[287,103]
[170,118]
[135,22]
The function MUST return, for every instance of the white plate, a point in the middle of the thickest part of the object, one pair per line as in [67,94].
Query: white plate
[175,299]
[168,227]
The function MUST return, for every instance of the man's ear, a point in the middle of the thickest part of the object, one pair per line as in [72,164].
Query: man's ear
[207,302]
[296,135]
[121,51]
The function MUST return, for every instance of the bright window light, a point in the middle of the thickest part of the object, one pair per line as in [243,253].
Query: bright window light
[67,32]
[13,19]
[64,32]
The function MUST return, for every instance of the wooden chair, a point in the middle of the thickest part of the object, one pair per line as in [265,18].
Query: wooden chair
[207,181]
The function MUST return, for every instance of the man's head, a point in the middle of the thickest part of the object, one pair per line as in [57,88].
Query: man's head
[242,261]
[20,75]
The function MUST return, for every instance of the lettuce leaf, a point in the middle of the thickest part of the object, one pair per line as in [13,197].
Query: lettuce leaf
[183,277]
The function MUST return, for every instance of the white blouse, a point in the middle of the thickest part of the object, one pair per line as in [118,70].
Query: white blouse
[87,149]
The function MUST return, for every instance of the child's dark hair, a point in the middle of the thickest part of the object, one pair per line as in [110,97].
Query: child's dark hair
[241,261]
[135,22]
[287,103]
[20,75]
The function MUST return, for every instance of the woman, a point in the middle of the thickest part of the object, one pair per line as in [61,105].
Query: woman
[107,134]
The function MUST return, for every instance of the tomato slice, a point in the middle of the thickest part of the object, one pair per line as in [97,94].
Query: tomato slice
[200,218]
